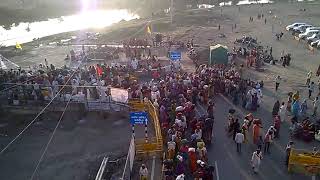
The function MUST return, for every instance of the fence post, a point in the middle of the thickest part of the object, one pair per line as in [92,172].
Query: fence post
[146,131]
[133,134]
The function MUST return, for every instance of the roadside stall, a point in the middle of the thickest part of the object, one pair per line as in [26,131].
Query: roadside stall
[218,54]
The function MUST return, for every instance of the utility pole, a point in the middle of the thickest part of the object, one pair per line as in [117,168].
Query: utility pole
[171,11]
[152,14]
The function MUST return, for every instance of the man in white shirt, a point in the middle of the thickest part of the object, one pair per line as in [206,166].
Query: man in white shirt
[143,172]
[239,140]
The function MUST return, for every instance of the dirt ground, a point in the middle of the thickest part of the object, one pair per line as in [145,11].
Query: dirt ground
[76,150]
[201,25]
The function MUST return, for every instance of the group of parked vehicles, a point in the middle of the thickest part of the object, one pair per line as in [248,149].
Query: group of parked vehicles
[306,32]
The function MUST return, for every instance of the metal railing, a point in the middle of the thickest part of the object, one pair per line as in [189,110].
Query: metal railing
[155,143]
[102,168]
[127,170]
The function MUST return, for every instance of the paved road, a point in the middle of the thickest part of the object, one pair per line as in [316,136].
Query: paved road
[222,152]
[232,165]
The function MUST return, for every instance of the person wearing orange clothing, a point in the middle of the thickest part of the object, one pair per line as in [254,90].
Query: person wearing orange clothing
[256,132]
[193,159]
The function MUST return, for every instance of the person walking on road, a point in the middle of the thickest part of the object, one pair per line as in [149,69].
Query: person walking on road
[278,78]
[316,104]
[267,142]
[288,151]
[303,108]
[277,124]
[256,160]
[210,110]
[143,172]
[282,112]
[309,75]
[192,159]
[310,89]
[244,130]
[180,168]
[239,139]
[276,108]
[236,128]
[256,130]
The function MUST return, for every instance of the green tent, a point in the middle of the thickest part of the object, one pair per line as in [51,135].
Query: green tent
[218,54]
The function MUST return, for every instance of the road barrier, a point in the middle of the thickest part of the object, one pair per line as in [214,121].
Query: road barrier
[304,162]
[154,145]
[127,170]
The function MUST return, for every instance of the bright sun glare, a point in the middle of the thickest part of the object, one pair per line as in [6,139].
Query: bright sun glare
[85,4]
[89,17]
[92,17]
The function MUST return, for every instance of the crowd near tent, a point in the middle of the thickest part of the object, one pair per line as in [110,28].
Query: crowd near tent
[6,64]
[218,54]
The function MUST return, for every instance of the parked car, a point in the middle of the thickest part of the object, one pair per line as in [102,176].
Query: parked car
[318,45]
[312,28]
[308,33]
[291,26]
[312,38]
[302,28]
[315,43]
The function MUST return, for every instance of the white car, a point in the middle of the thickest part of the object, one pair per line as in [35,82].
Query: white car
[308,33]
[315,43]
[312,28]
[313,37]
[291,26]
[301,28]
[318,45]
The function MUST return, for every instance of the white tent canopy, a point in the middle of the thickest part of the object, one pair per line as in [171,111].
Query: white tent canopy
[6,64]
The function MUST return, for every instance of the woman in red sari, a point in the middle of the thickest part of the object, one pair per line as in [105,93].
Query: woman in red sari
[193,159]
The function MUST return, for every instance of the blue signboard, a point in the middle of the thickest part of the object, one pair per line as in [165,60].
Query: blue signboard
[175,55]
[138,118]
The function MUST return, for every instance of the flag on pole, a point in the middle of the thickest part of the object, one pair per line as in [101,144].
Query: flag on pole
[149,30]
[18,46]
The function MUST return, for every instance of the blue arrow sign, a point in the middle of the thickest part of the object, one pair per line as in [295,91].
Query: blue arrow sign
[138,118]
[175,55]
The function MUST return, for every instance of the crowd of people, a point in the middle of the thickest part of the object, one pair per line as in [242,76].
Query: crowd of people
[177,94]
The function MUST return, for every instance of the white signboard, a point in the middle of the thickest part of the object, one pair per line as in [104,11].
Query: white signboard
[119,95]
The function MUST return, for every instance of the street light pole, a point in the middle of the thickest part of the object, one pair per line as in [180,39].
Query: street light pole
[171,11]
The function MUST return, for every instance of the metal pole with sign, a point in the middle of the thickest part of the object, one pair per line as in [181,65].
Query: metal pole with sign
[139,118]
[175,57]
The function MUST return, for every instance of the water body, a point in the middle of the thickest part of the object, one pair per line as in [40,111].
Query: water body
[26,32]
